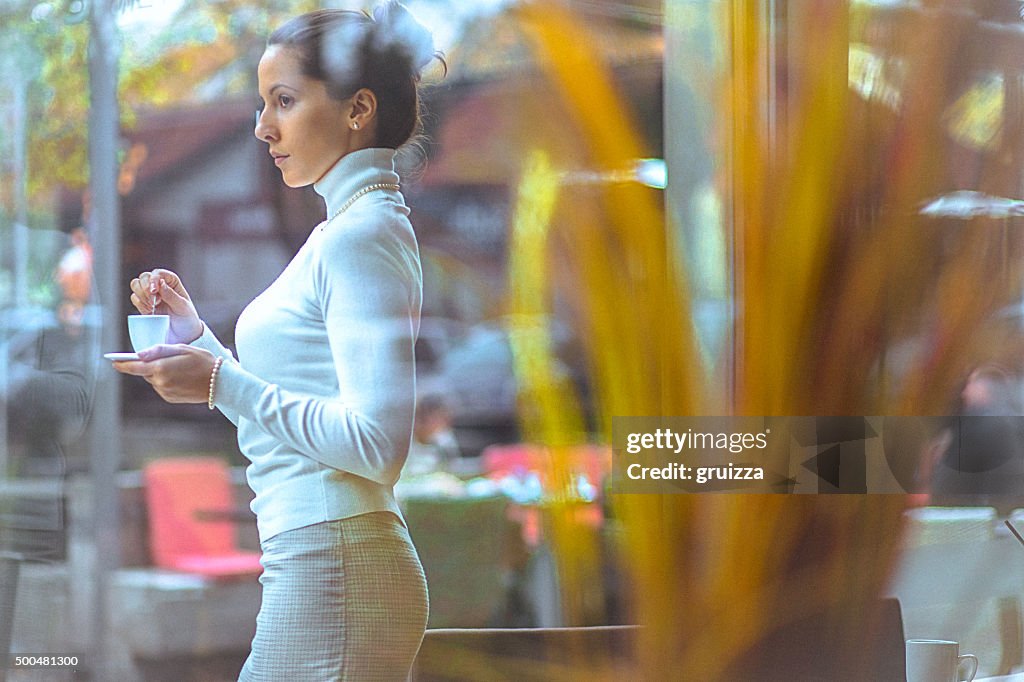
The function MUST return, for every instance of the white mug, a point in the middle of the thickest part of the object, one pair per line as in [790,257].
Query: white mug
[938,660]
[148,330]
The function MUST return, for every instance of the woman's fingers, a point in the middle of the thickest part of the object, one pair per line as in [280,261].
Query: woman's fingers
[165,286]
[139,288]
[175,301]
[142,298]
[177,372]
[148,364]
[134,367]
[140,305]
[160,275]
[163,350]
[150,289]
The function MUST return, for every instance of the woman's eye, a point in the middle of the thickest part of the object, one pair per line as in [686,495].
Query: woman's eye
[285,101]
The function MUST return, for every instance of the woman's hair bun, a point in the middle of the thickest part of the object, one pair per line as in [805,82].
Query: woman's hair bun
[397,29]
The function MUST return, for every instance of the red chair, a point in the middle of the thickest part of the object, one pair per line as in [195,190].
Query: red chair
[192,517]
[518,458]
[593,461]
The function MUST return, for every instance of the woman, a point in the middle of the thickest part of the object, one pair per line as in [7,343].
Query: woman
[323,389]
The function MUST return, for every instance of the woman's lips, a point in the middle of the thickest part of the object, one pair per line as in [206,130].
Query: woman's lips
[279,159]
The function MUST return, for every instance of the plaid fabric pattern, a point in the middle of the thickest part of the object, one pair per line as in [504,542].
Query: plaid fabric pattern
[342,600]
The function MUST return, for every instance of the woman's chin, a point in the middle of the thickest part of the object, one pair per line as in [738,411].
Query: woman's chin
[293,181]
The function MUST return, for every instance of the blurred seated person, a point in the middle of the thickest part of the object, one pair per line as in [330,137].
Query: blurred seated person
[981,459]
[433,440]
[74,275]
[47,397]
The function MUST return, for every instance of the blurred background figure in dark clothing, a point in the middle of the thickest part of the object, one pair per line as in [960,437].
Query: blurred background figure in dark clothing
[991,390]
[982,458]
[46,397]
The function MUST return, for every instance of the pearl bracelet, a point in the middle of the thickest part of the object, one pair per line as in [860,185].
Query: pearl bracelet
[213,380]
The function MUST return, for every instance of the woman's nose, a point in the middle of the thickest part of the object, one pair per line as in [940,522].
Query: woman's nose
[263,130]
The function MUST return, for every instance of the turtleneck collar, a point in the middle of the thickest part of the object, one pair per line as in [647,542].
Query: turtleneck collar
[353,172]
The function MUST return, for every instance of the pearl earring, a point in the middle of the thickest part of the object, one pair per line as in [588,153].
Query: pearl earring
[355,125]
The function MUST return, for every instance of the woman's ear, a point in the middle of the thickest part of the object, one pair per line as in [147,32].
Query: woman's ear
[364,109]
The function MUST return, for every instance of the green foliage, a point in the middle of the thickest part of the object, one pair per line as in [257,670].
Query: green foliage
[50,57]
[207,50]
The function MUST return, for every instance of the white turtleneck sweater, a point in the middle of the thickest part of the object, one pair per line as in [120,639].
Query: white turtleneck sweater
[323,391]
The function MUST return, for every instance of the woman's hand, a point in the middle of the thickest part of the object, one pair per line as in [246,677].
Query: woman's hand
[162,292]
[178,373]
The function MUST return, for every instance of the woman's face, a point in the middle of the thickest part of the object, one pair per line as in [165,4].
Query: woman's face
[305,128]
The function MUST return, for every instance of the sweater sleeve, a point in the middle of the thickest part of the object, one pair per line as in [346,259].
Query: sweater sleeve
[209,341]
[364,283]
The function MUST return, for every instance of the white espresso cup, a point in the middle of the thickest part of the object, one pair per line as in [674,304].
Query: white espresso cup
[146,331]
[938,660]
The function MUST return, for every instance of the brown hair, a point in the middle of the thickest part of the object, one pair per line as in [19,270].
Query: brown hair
[384,52]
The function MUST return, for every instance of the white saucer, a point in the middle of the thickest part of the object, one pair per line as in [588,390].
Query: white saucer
[121,357]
